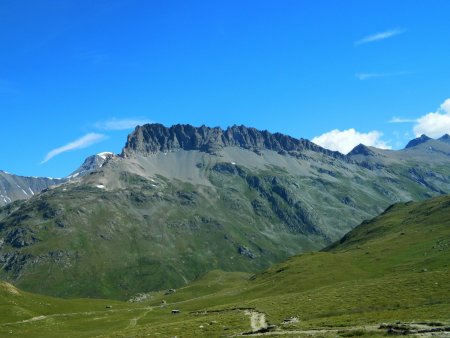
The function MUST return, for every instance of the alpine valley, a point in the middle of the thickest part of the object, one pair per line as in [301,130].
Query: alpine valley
[179,202]
[211,232]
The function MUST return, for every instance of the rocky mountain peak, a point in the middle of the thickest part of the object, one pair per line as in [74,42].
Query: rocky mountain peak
[361,149]
[445,138]
[154,138]
[91,164]
[419,140]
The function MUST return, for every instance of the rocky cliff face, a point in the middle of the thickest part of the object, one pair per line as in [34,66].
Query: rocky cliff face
[154,138]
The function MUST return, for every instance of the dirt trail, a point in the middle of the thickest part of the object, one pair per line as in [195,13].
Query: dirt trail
[134,321]
[83,313]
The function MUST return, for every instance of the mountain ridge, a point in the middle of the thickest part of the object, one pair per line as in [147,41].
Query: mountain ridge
[153,138]
[150,139]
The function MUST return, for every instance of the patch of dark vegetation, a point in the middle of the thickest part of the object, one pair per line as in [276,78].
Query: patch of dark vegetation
[138,197]
[18,219]
[187,198]
[244,251]
[19,237]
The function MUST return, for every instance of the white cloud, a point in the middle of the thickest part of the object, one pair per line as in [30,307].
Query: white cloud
[344,141]
[83,142]
[120,124]
[445,107]
[368,76]
[434,124]
[380,36]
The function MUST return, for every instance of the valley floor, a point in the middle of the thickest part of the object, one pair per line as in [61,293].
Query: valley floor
[388,276]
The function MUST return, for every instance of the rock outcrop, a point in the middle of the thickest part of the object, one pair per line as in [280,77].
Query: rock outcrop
[154,138]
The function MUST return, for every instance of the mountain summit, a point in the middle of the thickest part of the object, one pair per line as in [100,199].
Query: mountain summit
[91,164]
[419,140]
[445,138]
[154,138]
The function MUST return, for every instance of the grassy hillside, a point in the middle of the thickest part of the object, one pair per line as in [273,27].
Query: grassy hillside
[79,239]
[394,268]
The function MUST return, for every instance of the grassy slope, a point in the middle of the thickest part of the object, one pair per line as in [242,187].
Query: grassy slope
[394,267]
[147,237]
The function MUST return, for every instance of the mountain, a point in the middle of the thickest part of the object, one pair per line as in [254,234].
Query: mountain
[91,164]
[154,138]
[388,276]
[422,139]
[445,138]
[14,187]
[181,201]
[428,145]
[363,150]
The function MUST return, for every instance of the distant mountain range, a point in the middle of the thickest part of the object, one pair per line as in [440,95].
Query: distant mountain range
[14,187]
[180,201]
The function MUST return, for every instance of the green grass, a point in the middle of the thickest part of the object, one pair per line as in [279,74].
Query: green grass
[392,268]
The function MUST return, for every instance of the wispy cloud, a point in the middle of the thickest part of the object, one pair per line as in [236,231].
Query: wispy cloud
[121,124]
[380,36]
[83,142]
[369,76]
[434,124]
[401,120]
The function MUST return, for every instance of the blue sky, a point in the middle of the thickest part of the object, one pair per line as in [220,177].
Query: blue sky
[76,75]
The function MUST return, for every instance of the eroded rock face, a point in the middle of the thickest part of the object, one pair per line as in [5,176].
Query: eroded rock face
[153,138]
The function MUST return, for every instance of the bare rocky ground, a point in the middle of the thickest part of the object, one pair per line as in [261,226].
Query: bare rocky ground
[260,327]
